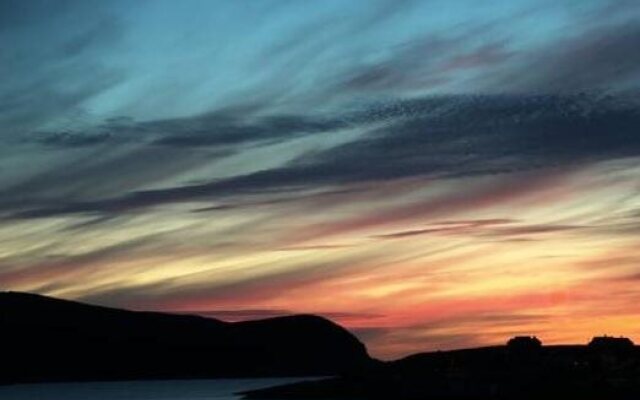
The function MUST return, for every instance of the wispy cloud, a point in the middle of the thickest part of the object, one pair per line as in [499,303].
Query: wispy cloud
[448,137]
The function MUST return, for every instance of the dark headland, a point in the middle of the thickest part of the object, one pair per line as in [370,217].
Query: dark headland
[46,339]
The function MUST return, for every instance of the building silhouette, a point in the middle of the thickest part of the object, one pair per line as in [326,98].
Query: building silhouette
[610,343]
[524,343]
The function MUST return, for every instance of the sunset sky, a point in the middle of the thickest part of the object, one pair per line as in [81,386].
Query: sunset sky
[430,174]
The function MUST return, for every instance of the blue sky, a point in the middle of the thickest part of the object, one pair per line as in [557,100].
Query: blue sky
[206,55]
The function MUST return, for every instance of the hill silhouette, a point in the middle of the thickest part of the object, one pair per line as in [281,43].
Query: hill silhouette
[47,339]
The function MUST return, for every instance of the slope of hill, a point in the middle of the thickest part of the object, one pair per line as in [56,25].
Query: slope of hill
[46,339]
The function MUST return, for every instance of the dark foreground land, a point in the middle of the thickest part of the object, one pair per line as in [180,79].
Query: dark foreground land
[607,369]
[45,339]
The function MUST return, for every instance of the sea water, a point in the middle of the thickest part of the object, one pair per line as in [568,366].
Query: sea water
[205,389]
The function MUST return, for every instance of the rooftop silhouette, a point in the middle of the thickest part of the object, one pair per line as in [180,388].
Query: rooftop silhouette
[524,342]
[611,343]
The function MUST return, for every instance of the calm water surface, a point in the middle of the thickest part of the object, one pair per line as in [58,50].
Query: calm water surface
[216,389]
